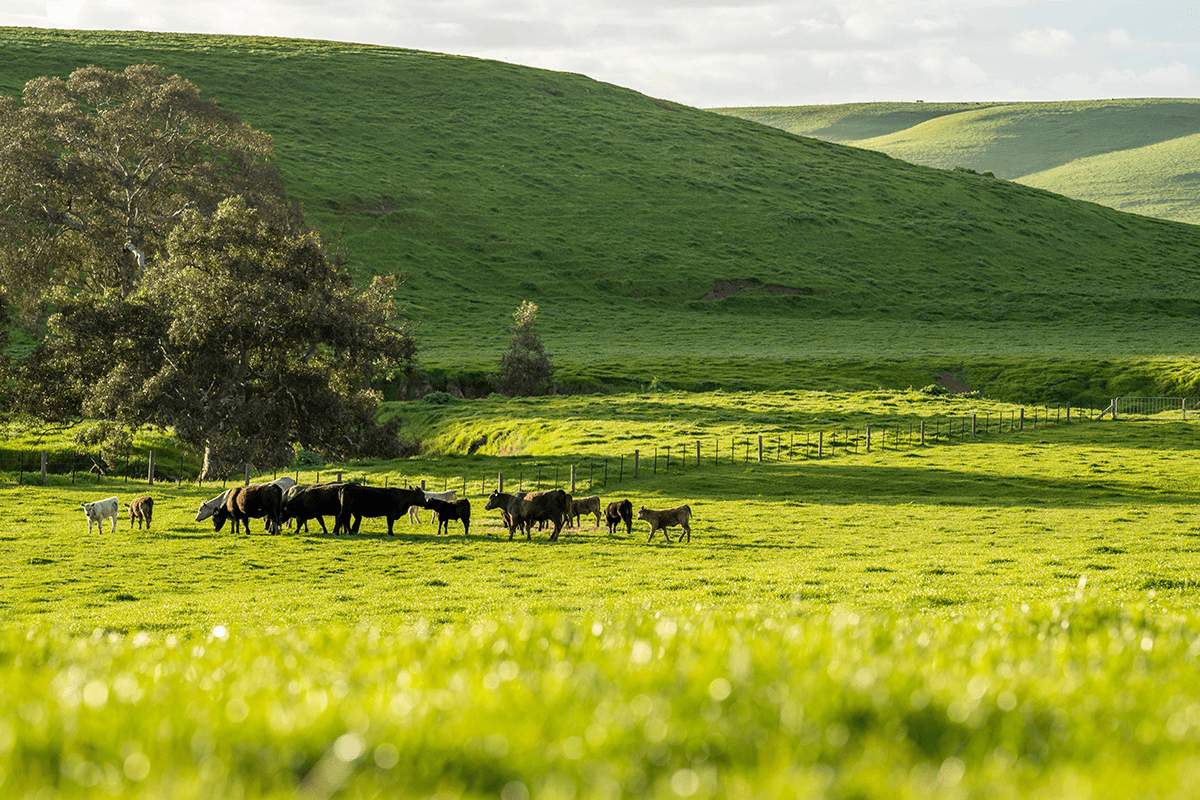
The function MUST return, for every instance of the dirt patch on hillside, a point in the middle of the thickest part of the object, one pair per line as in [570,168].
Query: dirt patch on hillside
[722,289]
[955,383]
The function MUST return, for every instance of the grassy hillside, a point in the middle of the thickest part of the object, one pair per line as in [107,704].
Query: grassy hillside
[1129,154]
[489,183]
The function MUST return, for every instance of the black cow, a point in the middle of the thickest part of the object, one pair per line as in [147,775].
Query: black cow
[374,501]
[247,502]
[618,512]
[306,501]
[446,511]
[550,506]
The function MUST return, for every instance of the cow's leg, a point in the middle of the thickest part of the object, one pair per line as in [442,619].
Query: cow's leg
[686,529]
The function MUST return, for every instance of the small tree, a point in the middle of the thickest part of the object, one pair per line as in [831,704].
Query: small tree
[525,370]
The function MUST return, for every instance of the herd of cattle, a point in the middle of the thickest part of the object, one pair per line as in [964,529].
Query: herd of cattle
[283,501]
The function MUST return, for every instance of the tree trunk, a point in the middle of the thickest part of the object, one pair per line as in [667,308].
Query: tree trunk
[208,470]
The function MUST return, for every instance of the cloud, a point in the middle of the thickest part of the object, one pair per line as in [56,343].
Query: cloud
[866,27]
[1119,37]
[1043,42]
[728,52]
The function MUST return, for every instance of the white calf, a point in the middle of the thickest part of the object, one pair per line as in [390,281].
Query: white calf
[449,497]
[98,510]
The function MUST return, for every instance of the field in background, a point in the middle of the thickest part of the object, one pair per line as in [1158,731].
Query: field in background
[1135,154]
[1012,616]
[826,267]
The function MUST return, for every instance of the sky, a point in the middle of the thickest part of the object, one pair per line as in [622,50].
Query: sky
[712,53]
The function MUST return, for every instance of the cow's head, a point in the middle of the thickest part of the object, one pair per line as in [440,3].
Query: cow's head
[219,516]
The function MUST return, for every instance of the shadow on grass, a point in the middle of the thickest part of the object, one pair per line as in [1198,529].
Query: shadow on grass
[851,484]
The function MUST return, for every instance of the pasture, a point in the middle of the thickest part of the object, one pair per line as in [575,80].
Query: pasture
[1010,617]
[1126,153]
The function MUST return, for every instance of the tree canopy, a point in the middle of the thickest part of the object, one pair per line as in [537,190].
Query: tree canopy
[245,340]
[96,170]
[149,232]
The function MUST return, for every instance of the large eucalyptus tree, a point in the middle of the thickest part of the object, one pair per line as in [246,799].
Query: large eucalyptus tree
[96,170]
[147,234]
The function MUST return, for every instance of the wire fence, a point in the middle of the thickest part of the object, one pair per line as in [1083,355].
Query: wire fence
[588,474]
[1155,408]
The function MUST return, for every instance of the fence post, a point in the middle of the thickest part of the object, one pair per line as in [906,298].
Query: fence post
[1022,419]
[820,443]
[500,482]
[922,433]
[868,438]
[974,425]
[636,458]
[43,468]
[760,448]
[697,453]
[572,479]
[1114,408]
[150,469]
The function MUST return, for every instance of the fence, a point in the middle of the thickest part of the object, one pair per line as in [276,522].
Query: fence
[594,472]
[1153,408]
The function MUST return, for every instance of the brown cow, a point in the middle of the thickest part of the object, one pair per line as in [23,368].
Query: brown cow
[618,512]
[586,505]
[665,518]
[141,509]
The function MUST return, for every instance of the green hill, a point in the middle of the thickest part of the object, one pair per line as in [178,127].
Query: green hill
[666,242]
[1128,154]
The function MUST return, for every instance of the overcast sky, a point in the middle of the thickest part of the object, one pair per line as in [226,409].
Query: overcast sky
[711,53]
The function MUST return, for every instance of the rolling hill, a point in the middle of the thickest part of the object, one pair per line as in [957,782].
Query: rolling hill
[669,243]
[1129,154]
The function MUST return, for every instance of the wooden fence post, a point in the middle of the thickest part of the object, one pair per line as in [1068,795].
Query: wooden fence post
[43,468]
[697,453]
[1022,419]
[820,443]
[636,458]
[150,469]
[760,448]
[868,438]
[922,433]
[572,479]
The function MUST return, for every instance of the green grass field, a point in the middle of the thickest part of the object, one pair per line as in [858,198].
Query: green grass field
[1131,154]
[1010,616]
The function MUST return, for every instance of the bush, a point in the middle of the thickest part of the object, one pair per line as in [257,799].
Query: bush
[439,398]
